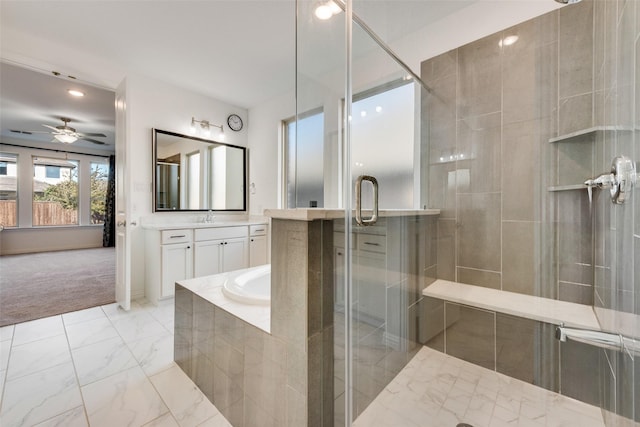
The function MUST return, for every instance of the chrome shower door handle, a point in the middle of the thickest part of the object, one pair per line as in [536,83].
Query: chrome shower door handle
[374,215]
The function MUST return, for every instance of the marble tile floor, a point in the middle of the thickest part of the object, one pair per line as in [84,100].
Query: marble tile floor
[107,367]
[99,367]
[437,390]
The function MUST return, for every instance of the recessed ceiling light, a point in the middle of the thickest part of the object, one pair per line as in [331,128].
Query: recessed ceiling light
[76,93]
[508,41]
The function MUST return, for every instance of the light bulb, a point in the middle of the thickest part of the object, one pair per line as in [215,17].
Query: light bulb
[221,135]
[323,12]
[206,132]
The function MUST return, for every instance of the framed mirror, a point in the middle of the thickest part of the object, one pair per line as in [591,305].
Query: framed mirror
[194,174]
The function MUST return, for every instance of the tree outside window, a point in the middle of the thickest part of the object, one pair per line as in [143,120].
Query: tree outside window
[55,200]
[99,184]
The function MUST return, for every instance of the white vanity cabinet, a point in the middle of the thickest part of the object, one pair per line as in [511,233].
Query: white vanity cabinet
[220,249]
[168,258]
[177,254]
[257,245]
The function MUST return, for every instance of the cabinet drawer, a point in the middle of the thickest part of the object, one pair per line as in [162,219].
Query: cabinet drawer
[216,233]
[372,243]
[258,230]
[176,236]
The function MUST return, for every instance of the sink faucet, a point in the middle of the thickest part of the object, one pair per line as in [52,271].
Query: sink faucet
[210,217]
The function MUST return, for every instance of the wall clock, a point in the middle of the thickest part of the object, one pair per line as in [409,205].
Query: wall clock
[235,122]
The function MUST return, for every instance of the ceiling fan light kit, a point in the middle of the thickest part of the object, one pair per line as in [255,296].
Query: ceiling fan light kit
[68,135]
[66,138]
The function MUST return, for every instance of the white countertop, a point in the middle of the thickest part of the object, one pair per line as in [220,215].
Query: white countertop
[527,306]
[210,289]
[310,214]
[183,225]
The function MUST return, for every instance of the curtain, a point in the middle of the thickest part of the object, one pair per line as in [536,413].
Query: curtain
[109,233]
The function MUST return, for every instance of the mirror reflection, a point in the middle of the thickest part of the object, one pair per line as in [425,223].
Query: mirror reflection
[196,174]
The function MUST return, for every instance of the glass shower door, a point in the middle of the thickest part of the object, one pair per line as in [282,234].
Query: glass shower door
[391,256]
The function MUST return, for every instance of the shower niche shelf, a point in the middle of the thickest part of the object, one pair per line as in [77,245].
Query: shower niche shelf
[579,135]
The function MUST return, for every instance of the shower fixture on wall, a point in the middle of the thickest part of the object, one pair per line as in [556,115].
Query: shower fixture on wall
[619,180]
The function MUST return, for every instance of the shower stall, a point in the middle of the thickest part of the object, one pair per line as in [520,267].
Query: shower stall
[502,286]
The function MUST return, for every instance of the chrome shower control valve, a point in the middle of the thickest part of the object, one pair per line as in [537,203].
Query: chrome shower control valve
[619,181]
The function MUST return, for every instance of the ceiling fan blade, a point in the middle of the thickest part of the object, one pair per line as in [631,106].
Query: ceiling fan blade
[95,141]
[101,135]
[52,128]
[28,132]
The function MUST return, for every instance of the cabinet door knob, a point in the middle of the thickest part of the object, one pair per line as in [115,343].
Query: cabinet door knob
[188,247]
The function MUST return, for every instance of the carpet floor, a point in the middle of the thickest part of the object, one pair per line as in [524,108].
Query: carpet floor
[33,286]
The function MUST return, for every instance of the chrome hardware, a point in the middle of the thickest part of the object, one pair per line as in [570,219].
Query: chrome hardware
[599,339]
[121,223]
[619,181]
[374,215]
[178,237]
[209,218]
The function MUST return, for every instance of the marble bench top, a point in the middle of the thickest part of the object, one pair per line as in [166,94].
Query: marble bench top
[527,306]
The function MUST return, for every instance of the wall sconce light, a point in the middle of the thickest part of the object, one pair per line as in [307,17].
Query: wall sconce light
[205,128]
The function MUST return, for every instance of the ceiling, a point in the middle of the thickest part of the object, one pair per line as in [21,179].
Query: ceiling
[237,51]
[31,99]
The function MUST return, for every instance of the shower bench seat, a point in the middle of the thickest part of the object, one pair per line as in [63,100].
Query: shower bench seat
[527,306]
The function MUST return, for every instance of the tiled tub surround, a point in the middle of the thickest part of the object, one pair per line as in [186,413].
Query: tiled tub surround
[291,372]
[266,366]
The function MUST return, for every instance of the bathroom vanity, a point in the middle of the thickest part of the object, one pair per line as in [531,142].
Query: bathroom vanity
[175,252]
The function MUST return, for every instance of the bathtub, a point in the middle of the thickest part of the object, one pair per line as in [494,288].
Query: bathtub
[250,286]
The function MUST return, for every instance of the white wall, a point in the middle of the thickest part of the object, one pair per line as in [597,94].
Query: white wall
[264,136]
[155,104]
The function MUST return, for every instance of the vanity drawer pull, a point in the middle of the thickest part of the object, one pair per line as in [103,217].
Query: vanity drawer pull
[372,244]
[178,237]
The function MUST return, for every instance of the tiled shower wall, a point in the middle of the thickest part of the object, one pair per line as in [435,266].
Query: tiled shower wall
[617,231]
[507,176]
[493,109]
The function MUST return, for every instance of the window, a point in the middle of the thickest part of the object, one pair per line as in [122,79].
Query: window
[52,172]
[193,180]
[99,184]
[8,190]
[55,200]
[304,165]
[383,141]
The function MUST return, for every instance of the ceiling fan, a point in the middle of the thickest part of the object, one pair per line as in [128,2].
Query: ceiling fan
[66,134]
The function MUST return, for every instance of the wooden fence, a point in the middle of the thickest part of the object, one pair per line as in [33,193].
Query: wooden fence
[44,213]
